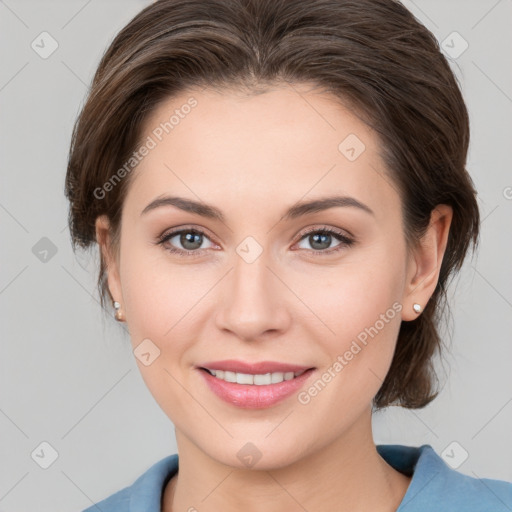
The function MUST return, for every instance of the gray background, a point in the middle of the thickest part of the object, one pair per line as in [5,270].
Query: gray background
[68,376]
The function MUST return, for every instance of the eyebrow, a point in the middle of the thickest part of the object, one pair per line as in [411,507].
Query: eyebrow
[297,210]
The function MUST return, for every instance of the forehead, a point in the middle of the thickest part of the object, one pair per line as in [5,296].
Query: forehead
[280,145]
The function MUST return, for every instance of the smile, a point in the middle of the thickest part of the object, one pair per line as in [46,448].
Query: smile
[254,379]
[254,386]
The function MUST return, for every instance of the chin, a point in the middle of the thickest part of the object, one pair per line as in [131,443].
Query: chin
[260,454]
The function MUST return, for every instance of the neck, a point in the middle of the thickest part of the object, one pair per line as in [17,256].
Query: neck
[346,475]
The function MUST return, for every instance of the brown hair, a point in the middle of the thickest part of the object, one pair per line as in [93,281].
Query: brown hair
[371,54]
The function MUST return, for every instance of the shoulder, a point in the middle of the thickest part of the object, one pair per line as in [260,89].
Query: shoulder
[143,494]
[437,486]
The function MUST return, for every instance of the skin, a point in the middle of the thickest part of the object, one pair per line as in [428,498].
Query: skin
[253,156]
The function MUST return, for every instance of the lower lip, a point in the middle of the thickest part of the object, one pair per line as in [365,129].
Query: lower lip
[250,396]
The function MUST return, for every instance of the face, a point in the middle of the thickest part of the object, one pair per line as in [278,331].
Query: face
[264,280]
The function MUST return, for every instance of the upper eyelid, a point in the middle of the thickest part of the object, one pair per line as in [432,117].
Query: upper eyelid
[173,232]
[204,231]
[338,231]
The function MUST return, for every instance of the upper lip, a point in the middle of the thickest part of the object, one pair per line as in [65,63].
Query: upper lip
[259,368]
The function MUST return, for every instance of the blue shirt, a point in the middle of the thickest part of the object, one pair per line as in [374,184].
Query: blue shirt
[435,487]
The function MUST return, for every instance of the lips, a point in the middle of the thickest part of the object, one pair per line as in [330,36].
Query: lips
[262,367]
[254,385]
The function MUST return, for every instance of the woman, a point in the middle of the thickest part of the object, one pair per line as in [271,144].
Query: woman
[278,189]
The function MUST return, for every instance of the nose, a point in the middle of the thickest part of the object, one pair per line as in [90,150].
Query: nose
[253,302]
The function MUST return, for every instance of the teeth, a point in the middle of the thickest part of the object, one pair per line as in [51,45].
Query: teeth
[257,380]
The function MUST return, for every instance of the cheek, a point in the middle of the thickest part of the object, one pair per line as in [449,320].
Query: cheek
[357,310]
[352,297]
[160,301]
[157,293]
[365,315]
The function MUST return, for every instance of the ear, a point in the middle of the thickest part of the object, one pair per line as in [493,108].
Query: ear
[424,263]
[104,239]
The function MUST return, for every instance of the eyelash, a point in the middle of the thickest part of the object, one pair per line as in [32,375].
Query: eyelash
[345,241]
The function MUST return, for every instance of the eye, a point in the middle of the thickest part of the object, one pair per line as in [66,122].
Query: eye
[190,239]
[321,239]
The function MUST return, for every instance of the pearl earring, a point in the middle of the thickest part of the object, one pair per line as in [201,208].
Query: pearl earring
[118,315]
[416,307]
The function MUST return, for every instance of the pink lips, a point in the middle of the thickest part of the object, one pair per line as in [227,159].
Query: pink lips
[262,367]
[253,396]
